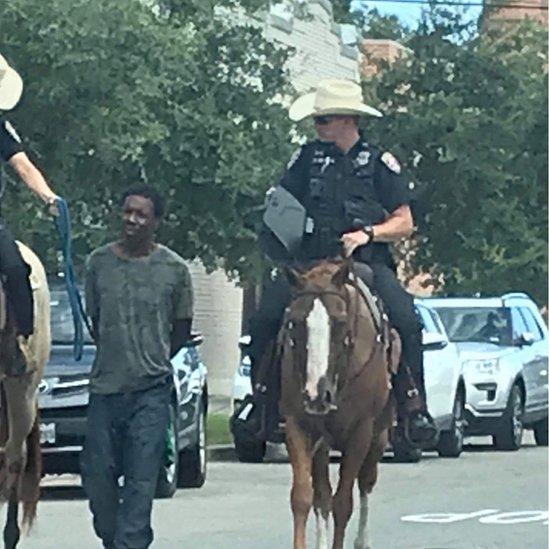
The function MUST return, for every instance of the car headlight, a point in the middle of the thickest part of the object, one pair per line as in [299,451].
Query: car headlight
[484,366]
[245,368]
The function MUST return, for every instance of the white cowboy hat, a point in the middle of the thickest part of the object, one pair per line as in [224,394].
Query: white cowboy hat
[331,97]
[11,86]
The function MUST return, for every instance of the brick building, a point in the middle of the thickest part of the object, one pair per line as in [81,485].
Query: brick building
[513,13]
[377,51]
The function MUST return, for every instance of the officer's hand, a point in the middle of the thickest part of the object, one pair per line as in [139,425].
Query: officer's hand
[51,205]
[351,241]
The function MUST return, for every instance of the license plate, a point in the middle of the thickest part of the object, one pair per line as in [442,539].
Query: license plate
[47,433]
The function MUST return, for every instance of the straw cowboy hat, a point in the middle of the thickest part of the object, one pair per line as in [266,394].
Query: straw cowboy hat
[332,97]
[11,86]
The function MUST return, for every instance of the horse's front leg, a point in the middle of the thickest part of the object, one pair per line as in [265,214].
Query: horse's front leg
[367,478]
[299,450]
[21,411]
[12,532]
[322,499]
[351,462]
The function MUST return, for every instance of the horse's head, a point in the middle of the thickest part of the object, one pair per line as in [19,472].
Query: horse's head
[319,331]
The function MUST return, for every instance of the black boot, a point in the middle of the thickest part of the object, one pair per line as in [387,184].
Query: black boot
[19,295]
[422,429]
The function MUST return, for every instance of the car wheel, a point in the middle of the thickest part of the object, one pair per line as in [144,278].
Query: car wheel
[540,432]
[509,436]
[403,451]
[166,485]
[193,461]
[250,451]
[451,441]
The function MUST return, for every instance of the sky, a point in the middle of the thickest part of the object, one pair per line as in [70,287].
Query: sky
[408,13]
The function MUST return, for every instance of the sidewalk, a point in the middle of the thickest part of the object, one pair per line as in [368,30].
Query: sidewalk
[219,404]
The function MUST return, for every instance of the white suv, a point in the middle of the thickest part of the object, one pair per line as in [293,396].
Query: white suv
[443,382]
[503,347]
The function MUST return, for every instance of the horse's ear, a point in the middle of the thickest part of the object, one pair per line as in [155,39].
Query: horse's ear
[294,277]
[341,276]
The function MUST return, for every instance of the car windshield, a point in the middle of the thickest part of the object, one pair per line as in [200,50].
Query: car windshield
[478,324]
[62,328]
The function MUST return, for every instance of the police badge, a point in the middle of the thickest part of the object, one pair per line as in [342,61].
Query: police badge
[362,158]
[391,162]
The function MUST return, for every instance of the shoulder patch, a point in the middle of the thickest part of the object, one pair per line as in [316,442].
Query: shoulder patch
[294,158]
[11,130]
[391,162]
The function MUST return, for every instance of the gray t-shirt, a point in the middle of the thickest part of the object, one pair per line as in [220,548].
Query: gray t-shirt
[135,302]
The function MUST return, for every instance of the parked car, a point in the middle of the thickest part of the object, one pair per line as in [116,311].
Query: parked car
[63,401]
[503,347]
[444,387]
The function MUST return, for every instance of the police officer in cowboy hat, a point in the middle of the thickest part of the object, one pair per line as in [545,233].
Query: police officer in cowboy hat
[354,199]
[12,266]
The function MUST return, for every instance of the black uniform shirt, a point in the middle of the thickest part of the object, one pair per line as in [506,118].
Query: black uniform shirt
[10,142]
[390,185]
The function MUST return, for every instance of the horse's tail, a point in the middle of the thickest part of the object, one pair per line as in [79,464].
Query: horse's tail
[30,481]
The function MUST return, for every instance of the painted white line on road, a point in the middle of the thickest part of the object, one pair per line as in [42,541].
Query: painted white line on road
[485,516]
[446,518]
[516,517]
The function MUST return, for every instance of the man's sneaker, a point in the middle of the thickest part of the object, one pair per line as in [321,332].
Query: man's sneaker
[422,429]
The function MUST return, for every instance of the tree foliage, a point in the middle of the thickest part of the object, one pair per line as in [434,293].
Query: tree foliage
[467,115]
[177,94]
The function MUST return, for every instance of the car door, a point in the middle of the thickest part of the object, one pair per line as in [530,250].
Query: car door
[525,354]
[440,365]
[540,358]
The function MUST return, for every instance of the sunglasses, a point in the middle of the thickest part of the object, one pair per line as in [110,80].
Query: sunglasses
[324,120]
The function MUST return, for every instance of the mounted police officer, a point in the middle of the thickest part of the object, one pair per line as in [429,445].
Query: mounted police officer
[12,266]
[346,195]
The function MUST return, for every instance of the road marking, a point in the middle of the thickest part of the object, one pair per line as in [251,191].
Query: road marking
[485,516]
[516,517]
[446,518]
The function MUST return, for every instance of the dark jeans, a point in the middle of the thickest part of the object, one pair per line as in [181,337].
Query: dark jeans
[398,302]
[18,288]
[125,436]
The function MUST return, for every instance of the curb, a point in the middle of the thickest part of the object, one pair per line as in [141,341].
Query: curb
[221,452]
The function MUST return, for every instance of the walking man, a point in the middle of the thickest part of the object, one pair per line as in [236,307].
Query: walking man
[139,298]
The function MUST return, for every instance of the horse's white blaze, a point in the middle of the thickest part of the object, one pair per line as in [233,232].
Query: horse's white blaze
[362,541]
[318,346]
[321,530]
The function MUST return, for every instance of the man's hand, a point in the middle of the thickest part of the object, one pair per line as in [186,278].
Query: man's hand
[351,241]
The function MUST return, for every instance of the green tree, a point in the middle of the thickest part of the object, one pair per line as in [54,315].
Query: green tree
[177,94]
[390,27]
[467,115]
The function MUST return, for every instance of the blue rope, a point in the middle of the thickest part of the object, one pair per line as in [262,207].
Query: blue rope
[63,224]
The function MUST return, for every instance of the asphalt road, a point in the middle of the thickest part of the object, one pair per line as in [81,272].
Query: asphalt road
[484,499]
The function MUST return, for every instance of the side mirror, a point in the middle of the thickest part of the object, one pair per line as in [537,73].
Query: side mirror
[245,341]
[432,341]
[527,338]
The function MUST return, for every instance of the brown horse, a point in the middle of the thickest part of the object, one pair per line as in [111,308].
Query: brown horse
[336,362]
[20,457]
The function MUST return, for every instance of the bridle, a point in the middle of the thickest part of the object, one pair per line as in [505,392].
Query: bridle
[349,340]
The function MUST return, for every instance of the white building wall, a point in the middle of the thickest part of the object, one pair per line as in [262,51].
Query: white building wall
[218,301]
